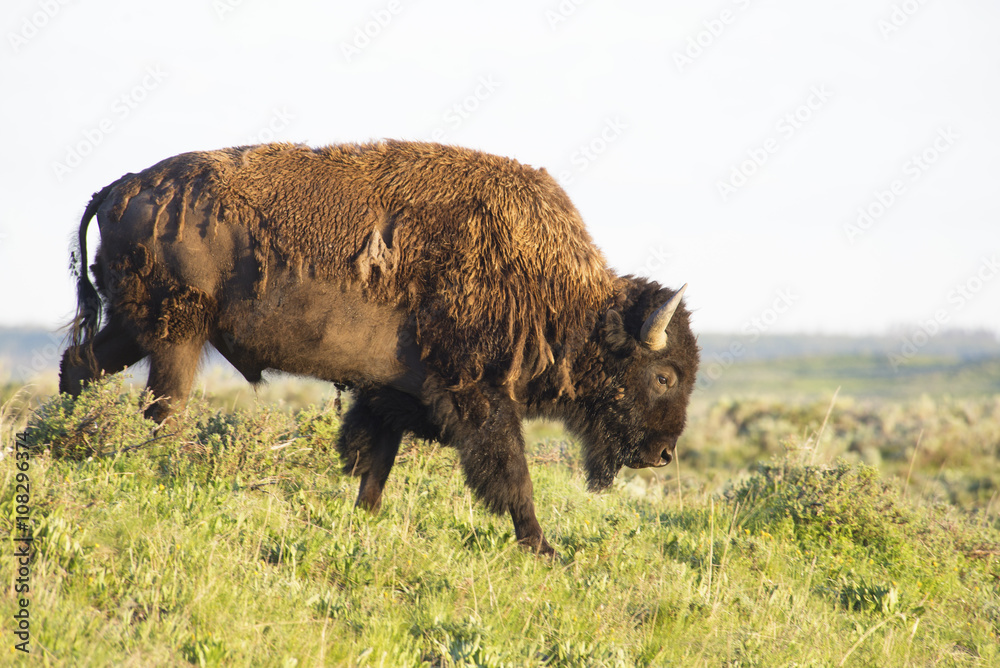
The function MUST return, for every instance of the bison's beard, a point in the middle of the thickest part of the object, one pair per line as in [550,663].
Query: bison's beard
[602,466]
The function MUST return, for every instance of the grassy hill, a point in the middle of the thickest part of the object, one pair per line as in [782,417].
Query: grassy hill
[233,540]
[793,530]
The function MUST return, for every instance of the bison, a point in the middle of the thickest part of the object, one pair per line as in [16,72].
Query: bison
[456,292]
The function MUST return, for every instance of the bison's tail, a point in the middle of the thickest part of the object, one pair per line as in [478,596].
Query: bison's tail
[88,301]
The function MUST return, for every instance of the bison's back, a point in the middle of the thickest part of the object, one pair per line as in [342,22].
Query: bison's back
[319,207]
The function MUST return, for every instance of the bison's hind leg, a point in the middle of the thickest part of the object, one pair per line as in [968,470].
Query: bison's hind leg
[172,368]
[113,349]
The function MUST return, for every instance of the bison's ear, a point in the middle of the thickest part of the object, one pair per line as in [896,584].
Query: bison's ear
[614,335]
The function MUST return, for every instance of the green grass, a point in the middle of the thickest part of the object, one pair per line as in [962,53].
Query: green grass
[858,376]
[233,540]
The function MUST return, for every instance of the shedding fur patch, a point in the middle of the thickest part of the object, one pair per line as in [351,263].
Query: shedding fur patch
[376,260]
[159,308]
[184,314]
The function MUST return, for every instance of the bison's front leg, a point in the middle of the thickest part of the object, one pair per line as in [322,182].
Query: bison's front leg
[368,445]
[495,468]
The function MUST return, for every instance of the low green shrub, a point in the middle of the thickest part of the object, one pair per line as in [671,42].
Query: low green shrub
[106,418]
[847,507]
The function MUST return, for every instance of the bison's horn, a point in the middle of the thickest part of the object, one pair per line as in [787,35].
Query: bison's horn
[654,330]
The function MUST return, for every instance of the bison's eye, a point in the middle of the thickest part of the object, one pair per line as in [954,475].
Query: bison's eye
[665,379]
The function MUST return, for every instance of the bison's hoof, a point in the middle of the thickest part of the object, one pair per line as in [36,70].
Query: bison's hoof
[539,545]
[369,504]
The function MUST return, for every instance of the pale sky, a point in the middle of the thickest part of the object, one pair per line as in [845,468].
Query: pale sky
[728,145]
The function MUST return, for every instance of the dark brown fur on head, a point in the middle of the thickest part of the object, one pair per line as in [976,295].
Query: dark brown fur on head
[623,412]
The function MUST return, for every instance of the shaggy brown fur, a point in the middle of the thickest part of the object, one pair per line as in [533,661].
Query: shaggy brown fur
[457,291]
[428,226]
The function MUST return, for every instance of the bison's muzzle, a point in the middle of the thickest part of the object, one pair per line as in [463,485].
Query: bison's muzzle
[655,456]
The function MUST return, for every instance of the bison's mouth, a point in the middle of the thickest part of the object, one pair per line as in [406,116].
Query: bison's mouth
[654,458]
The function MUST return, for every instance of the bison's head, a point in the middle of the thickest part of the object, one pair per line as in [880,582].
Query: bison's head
[636,403]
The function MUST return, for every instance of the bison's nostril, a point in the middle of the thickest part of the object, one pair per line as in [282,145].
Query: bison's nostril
[666,456]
